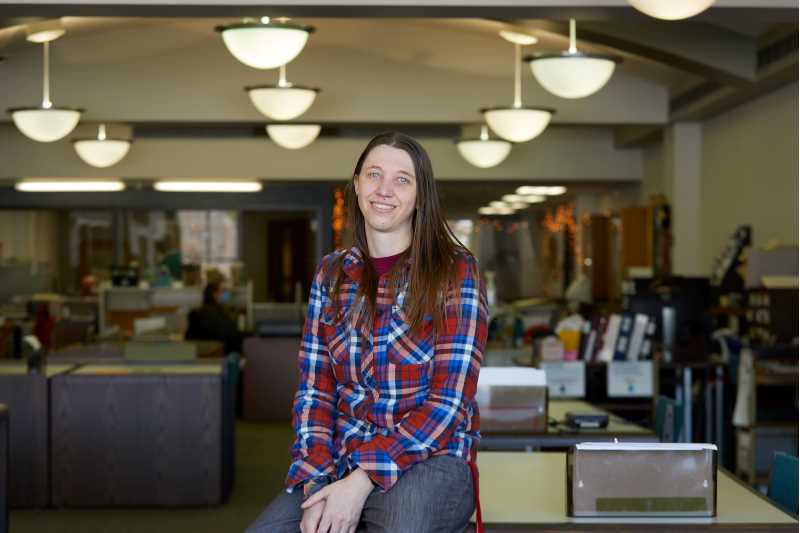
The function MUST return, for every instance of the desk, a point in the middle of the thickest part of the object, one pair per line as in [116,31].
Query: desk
[28,399]
[527,491]
[713,376]
[142,435]
[562,436]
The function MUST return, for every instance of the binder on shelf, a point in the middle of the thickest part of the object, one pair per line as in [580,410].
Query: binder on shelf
[588,351]
[646,352]
[623,338]
[586,330]
[606,352]
[640,324]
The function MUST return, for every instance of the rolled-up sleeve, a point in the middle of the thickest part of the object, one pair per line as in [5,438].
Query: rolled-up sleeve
[314,409]
[457,358]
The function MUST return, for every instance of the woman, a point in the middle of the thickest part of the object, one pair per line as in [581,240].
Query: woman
[385,415]
[211,323]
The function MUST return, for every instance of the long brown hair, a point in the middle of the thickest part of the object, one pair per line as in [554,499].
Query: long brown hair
[433,248]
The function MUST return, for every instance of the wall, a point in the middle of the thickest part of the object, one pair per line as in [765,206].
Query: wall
[654,179]
[254,251]
[749,175]
[750,172]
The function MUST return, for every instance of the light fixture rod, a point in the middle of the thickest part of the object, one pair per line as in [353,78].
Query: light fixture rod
[101,133]
[517,76]
[282,77]
[573,49]
[484,132]
[46,103]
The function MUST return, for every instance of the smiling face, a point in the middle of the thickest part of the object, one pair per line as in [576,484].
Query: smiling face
[387,193]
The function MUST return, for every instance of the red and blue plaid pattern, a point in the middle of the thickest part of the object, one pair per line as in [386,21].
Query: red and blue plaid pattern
[382,398]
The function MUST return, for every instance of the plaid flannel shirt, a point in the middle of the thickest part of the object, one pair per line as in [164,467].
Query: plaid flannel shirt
[390,399]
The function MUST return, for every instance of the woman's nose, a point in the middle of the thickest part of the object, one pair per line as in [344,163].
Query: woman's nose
[385,188]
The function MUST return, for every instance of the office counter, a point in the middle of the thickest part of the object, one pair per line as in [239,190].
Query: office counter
[142,435]
[562,436]
[527,492]
[28,399]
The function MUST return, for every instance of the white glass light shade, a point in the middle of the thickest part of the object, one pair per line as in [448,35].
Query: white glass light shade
[46,125]
[495,211]
[532,190]
[264,46]
[673,9]
[44,31]
[46,36]
[527,198]
[538,190]
[207,186]
[101,153]
[517,124]
[293,136]
[520,38]
[572,75]
[484,153]
[69,186]
[282,103]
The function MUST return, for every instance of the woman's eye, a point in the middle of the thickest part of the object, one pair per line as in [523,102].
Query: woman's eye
[403,180]
[374,174]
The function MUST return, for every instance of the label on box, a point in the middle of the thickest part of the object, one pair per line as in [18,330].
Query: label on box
[566,379]
[630,379]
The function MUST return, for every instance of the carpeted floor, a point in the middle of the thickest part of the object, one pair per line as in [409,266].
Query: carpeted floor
[262,457]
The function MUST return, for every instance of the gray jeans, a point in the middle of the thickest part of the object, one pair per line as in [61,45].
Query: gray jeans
[435,495]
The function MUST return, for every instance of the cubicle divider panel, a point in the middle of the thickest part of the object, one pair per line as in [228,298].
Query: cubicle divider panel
[271,378]
[137,440]
[26,398]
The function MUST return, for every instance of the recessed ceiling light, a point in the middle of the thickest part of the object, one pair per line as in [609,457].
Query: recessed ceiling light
[207,186]
[47,185]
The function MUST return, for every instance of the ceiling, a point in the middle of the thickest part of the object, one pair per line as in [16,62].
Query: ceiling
[162,69]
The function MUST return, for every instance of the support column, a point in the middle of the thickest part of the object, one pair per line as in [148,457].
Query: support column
[684,167]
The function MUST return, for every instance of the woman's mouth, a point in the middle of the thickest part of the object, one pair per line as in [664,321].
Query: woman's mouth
[381,207]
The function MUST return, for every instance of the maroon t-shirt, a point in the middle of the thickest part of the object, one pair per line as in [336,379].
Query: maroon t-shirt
[382,265]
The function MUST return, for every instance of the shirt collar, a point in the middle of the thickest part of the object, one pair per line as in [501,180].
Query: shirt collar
[353,263]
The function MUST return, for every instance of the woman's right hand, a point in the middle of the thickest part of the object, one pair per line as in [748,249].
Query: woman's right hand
[311,518]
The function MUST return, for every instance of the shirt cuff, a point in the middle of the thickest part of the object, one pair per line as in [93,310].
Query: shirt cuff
[313,486]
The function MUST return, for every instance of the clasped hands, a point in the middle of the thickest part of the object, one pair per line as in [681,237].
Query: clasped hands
[337,507]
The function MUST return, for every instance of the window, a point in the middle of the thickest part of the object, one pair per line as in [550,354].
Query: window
[210,238]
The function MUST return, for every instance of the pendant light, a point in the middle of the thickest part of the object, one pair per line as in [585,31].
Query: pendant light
[265,44]
[46,123]
[527,198]
[489,210]
[101,152]
[672,10]
[484,152]
[538,190]
[283,101]
[572,74]
[517,123]
[293,136]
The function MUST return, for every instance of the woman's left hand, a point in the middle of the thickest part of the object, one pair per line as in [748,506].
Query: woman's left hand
[344,502]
